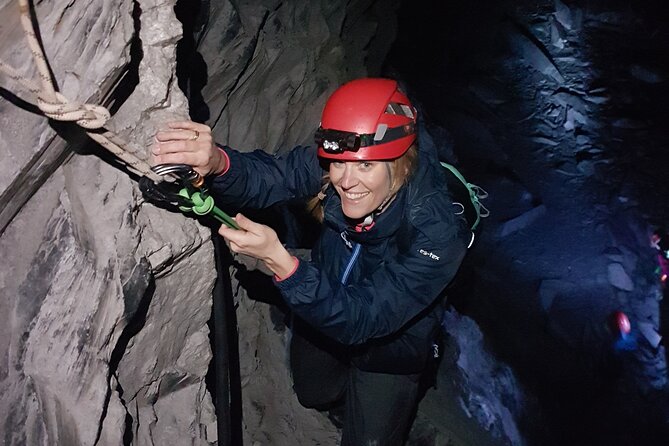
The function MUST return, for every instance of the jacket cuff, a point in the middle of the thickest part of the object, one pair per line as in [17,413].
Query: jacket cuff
[294,278]
[227,160]
[296,262]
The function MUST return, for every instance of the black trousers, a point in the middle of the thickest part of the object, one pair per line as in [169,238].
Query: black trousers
[379,407]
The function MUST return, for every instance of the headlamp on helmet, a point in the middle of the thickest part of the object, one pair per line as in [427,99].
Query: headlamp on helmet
[366,119]
[336,141]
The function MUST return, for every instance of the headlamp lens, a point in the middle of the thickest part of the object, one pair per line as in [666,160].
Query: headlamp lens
[331,146]
[336,141]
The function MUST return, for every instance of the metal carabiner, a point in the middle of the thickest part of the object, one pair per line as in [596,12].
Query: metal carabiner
[191,198]
[183,173]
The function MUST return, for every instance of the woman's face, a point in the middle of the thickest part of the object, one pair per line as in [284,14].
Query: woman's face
[362,185]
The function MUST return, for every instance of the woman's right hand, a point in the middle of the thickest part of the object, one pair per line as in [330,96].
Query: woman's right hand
[261,242]
[188,142]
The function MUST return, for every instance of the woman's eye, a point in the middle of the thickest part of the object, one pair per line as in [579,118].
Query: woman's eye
[337,164]
[366,164]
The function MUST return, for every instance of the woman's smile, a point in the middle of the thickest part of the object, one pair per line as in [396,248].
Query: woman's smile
[362,185]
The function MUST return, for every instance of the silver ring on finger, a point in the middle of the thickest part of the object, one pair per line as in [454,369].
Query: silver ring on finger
[195,136]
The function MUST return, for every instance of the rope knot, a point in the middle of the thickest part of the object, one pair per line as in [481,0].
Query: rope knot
[88,116]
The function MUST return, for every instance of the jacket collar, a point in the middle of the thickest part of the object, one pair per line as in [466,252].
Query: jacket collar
[385,224]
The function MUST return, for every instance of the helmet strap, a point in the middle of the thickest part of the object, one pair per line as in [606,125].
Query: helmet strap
[392,193]
[384,205]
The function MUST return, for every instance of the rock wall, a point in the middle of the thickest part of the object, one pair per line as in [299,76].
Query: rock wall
[105,298]
[271,65]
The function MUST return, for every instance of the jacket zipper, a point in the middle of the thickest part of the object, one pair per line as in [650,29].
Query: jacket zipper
[351,262]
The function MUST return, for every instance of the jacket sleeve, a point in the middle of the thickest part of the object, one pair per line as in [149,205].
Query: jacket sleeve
[259,180]
[388,298]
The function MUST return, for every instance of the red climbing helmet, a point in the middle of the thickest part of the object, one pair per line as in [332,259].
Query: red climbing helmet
[366,119]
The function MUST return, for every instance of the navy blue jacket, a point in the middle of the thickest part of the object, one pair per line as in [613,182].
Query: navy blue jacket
[376,291]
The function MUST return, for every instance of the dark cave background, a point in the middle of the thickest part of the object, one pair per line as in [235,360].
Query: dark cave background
[558,110]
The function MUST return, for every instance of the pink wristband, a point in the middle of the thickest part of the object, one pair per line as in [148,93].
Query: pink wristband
[297,263]
[227,161]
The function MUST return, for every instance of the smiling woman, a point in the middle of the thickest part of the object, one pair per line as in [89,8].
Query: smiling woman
[366,187]
[363,186]
[367,308]
[399,172]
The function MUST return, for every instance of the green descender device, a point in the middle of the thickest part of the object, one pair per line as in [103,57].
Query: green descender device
[202,204]
[186,193]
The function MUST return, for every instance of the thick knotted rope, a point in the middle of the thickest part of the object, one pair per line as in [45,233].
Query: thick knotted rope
[88,116]
[54,105]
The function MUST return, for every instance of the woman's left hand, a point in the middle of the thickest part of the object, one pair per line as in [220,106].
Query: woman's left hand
[261,242]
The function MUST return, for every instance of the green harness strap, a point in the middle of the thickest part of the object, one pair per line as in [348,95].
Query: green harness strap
[473,195]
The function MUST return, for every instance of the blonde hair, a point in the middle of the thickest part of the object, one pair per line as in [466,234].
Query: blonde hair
[401,169]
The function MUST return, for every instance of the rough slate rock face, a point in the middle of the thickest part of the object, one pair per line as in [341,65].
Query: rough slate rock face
[105,298]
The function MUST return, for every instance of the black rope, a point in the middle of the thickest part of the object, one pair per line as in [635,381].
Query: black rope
[226,351]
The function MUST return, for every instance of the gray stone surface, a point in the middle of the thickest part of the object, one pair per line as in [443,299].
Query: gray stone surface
[267,89]
[26,166]
[105,298]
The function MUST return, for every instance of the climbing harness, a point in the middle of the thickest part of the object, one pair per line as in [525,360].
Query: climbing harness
[471,194]
[191,197]
[187,193]
[467,198]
